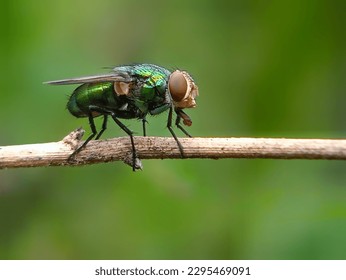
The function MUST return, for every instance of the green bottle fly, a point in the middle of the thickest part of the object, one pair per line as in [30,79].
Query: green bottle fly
[129,92]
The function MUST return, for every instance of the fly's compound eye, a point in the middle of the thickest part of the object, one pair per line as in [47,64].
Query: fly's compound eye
[182,89]
[178,86]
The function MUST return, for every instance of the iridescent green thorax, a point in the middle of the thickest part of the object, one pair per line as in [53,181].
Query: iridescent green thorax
[153,79]
[150,87]
[145,70]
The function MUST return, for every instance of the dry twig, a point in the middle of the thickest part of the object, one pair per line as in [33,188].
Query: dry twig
[57,153]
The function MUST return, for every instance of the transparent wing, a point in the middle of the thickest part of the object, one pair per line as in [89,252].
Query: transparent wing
[111,77]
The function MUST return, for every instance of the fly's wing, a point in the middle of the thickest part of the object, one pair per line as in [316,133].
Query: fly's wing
[111,77]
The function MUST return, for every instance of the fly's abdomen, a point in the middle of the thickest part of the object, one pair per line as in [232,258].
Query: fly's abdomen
[73,107]
[91,95]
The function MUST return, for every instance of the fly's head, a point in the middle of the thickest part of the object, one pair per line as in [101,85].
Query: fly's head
[182,89]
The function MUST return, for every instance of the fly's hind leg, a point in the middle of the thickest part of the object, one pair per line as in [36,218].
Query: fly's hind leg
[91,136]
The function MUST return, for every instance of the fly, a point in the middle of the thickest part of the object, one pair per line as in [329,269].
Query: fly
[132,92]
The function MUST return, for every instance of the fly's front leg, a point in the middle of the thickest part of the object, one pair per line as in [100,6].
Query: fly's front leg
[186,120]
[169,126]
[161,109]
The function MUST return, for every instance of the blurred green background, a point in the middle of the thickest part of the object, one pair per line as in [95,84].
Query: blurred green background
[264,69]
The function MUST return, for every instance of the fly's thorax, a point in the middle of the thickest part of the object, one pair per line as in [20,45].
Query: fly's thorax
[183,89]
[144,89]
[147,91]
[154,88]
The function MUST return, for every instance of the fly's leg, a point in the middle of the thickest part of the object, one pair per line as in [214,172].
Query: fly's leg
[91,136]
[104,127]
[135,164]
[144,121]
[186,120]
[169,126]
[129,133]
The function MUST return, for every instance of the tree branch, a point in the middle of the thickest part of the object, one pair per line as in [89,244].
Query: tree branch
[57,153]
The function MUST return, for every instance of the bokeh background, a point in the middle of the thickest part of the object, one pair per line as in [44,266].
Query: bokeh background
[264,69]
